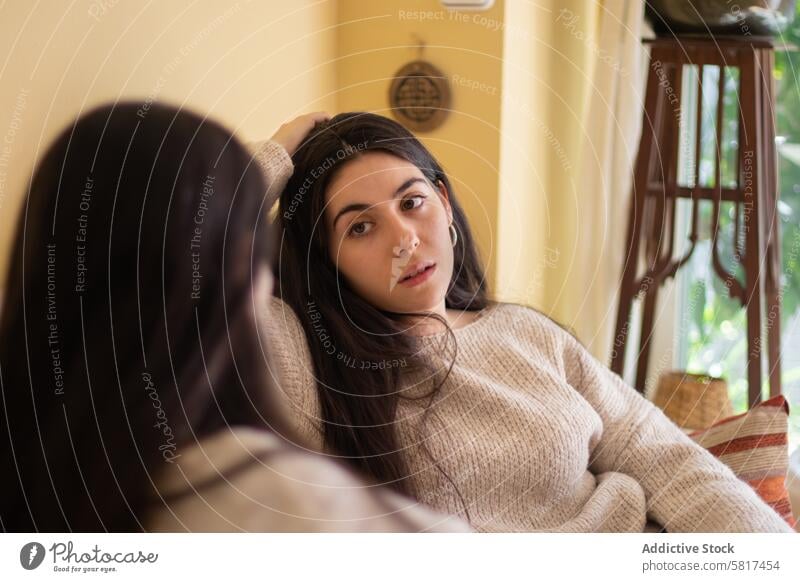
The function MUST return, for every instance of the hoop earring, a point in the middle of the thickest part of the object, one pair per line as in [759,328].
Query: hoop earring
[453,235]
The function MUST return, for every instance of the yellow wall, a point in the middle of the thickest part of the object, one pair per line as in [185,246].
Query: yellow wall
[510,145]
[375,39]
[250,64]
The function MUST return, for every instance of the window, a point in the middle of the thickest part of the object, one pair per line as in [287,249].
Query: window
[714,338]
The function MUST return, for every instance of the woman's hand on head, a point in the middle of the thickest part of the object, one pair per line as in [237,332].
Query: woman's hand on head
[292,133]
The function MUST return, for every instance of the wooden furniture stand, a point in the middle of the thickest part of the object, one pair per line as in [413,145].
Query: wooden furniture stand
[651,227]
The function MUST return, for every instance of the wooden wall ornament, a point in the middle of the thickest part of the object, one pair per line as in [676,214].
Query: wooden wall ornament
[420,96]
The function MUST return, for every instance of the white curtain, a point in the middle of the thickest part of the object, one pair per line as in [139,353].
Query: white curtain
[611,127]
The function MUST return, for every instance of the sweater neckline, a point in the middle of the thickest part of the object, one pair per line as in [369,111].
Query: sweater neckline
[484,315]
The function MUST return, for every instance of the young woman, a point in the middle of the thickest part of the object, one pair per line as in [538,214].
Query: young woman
[395,359]
[137,392]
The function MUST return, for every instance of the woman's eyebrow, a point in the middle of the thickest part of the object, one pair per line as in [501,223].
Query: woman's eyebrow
[359,206]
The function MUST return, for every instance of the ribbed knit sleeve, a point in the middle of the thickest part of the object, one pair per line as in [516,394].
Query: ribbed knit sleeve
[287,342]
[294,376]
[687,489]
[275,163]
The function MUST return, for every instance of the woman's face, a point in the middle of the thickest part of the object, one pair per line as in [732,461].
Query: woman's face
[388,233]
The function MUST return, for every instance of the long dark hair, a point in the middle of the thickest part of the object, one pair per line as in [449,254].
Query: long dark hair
[129,328]
[359,405]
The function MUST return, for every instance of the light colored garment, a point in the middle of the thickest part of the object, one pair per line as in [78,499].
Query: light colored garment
[536,434]
[249,480]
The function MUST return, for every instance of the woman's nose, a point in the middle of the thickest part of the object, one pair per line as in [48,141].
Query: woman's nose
[406,243]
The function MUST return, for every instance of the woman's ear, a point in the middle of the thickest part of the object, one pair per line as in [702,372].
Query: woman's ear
[445,196]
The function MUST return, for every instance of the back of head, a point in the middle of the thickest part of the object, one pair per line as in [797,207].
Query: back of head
[129,328]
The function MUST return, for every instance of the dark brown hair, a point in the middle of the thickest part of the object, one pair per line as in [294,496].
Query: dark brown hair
[359,406]
[129,329]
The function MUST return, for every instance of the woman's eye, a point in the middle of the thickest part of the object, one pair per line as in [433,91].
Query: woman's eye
[359,229]
[412,202]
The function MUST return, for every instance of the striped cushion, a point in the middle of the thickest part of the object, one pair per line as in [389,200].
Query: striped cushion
[755,446]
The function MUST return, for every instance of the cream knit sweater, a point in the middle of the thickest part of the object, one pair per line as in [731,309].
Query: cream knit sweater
[536,434]
[249,480]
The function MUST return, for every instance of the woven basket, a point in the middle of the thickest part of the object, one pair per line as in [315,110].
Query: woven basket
[693,401]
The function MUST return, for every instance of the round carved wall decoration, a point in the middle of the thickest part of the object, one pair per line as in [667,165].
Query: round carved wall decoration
[420,96]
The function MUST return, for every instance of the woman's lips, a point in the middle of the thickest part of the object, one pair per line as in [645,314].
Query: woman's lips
[420,278]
